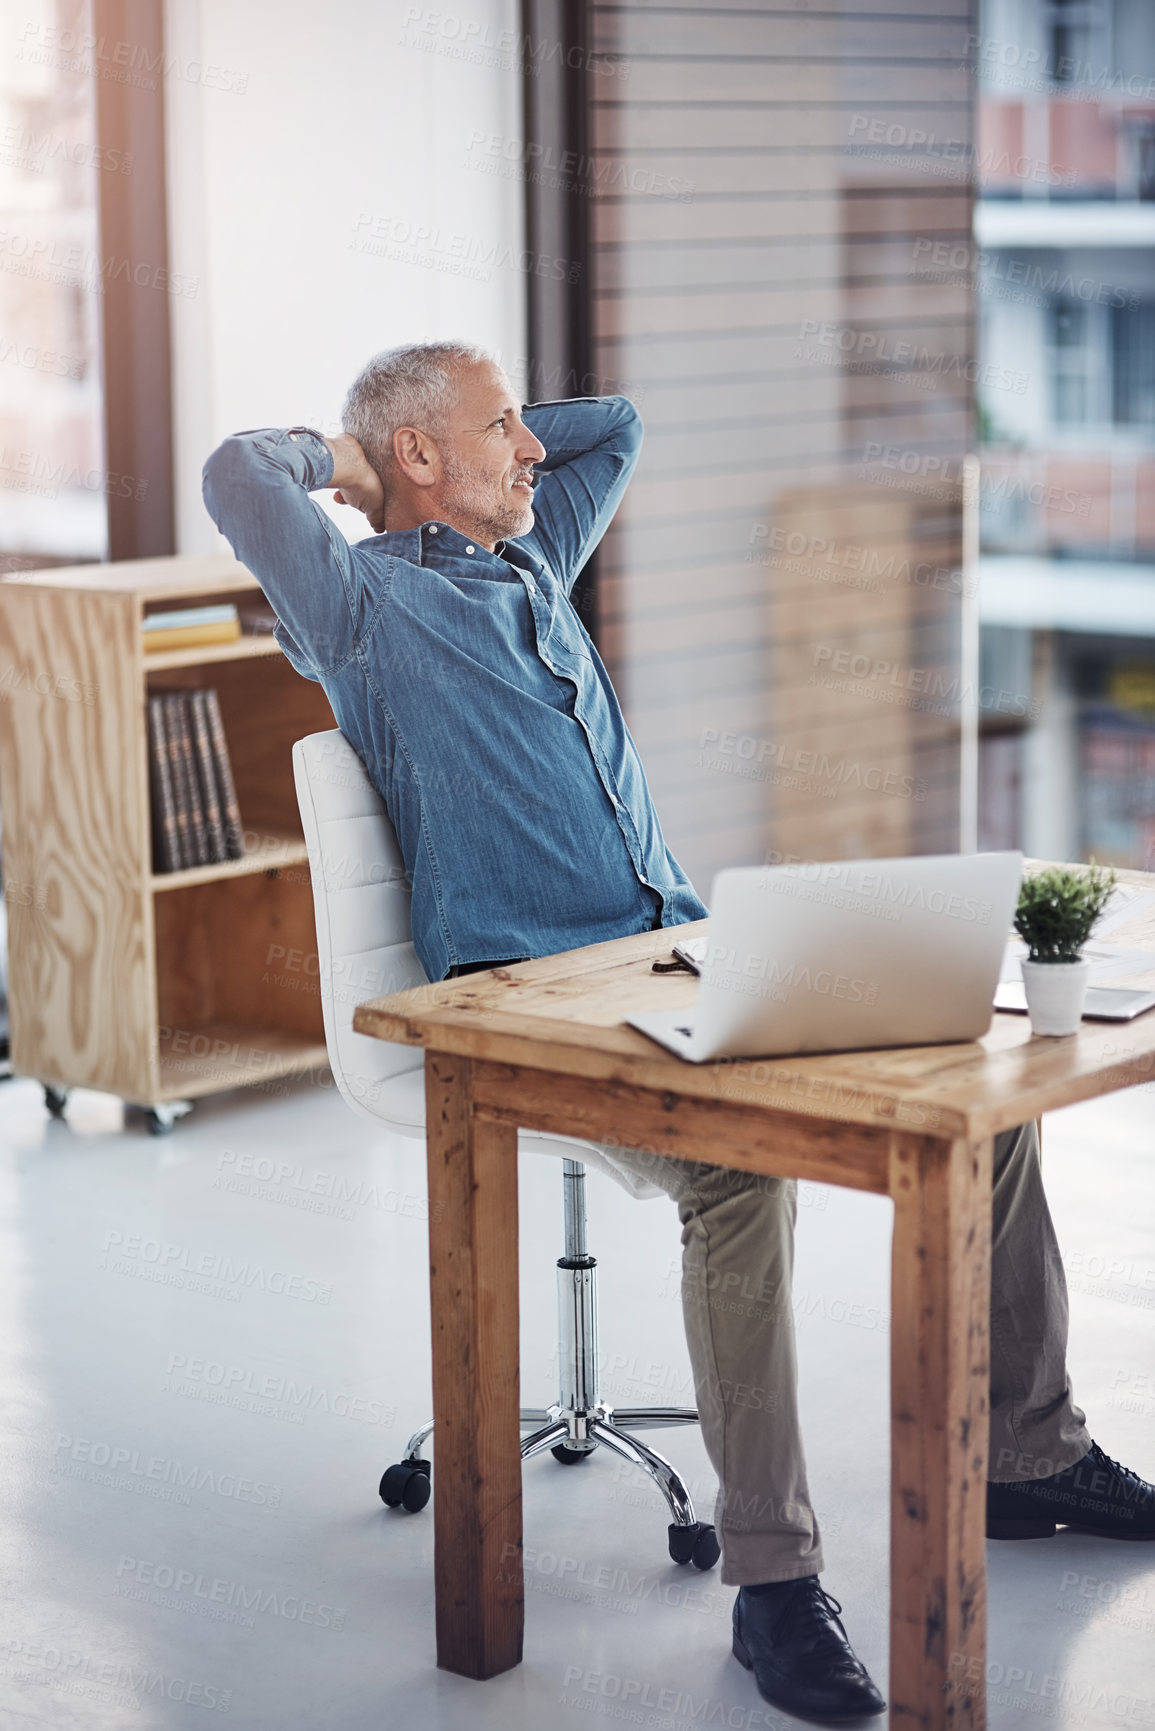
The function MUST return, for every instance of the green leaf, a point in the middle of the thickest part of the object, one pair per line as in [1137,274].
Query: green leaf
[1058,909]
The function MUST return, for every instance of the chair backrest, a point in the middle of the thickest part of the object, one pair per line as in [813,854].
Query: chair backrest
[362,903]
[364,946]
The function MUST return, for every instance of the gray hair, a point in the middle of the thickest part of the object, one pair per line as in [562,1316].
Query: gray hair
[412,386]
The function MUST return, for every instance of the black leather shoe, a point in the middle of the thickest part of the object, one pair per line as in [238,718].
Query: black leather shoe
[793,1642]
[1096,1495]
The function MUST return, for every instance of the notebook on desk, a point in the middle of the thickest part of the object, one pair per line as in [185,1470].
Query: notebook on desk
[844,956]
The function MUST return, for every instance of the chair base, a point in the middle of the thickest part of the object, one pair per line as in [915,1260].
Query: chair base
[580,1421]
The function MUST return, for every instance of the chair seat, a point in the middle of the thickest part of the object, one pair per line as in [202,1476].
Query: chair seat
[400,1103]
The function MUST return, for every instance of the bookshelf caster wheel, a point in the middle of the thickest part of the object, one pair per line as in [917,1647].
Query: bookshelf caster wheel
[569,1457]
[406,1486]
[55,1100]
[160,1119]
[697,1544]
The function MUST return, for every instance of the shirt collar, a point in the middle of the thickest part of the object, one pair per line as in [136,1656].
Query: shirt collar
[422,546]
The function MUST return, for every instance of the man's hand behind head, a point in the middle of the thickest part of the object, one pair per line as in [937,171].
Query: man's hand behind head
[357,482]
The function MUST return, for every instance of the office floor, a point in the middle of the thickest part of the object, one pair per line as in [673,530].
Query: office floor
[219,1340]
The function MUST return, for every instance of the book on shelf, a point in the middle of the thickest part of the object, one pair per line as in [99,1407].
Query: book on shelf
[165,842]
[190,627]
[210,794]
[227,793]
[196,817]
[198,835]
[178,770]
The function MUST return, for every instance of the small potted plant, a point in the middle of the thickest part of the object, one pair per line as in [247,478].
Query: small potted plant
[1057,911]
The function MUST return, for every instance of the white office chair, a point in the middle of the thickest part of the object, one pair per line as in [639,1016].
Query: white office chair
[362,902]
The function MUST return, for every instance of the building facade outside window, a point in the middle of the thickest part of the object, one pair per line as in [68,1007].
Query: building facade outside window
[1065,252]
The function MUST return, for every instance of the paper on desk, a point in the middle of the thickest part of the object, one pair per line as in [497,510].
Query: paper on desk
[1126,903]
[1108,962]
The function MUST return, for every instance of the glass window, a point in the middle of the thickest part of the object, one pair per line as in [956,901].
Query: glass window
[1079,36]
[1133,364]
[783,282]
[1072,364]
[52,501]
[1145,151]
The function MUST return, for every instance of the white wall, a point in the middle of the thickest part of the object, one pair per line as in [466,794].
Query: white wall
[295,132]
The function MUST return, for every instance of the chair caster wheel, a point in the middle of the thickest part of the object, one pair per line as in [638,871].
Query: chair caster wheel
[697,1544]
[569,1457]
[406,1486]
[161,1119]
[55,1100]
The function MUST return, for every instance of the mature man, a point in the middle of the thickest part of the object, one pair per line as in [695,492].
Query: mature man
[456,665]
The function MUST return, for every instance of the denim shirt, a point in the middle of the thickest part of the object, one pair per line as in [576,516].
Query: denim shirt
[471,691]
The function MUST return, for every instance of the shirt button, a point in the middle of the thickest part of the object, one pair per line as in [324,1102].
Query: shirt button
[433,528]
[469,549]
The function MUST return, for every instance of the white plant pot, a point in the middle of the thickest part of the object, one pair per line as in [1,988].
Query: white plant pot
[1056,993]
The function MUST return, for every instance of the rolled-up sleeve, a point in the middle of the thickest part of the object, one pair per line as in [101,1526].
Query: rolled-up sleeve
[256,489]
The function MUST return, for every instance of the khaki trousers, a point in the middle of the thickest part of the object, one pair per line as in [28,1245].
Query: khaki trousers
[737,1270]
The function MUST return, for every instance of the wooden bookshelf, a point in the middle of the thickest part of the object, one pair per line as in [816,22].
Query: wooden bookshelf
[240,649]
[262,853]
[154,986]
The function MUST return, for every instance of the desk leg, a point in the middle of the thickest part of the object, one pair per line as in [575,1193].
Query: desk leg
[940,1395]
[476,1435]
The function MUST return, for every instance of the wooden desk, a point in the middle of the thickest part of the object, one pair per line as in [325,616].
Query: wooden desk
[542,1046]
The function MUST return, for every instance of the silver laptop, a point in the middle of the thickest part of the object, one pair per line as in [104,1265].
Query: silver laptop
[846,955]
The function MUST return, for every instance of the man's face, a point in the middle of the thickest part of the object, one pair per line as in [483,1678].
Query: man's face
[487,455]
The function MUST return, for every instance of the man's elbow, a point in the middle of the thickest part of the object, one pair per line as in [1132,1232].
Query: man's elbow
[228,474]
[628,428]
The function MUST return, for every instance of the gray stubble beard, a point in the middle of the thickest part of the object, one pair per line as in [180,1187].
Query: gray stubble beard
[468,500]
